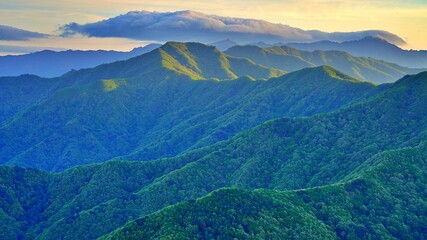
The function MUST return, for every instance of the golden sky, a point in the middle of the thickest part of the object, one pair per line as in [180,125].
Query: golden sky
[408,19]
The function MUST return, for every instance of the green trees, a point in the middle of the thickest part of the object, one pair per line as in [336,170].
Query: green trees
[358,172]
[366,206]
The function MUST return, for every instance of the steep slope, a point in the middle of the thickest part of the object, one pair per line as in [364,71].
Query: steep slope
[327,153]
[149,117]
[371,47]
[53,64]
[368,206]
[290,59]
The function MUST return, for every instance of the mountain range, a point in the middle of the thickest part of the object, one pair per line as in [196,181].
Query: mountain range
[290,59]
[150,106]
[369,47]
[356,170]
[49,63]
[369,68]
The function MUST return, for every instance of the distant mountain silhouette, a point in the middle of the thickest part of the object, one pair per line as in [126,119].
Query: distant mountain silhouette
[371,47]
[49,63]
[224,44]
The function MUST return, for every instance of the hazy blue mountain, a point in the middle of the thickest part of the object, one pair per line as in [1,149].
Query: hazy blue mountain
[371,47]
[352,173]
[49,63]
[291,59]
[224,44]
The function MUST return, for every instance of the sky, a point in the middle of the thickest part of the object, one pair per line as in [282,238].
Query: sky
[407,19]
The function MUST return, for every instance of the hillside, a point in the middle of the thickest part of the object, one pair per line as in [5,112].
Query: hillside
[290,59]
[367,206]
[372,152]
[56,63]
[371,47]
[149,117]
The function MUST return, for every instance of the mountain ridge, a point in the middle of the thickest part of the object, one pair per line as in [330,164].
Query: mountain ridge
[371,47]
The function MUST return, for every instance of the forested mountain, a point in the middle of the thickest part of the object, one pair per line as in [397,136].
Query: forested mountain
[150,106]
[358,172]
[53,64]
[376,202]
[290,59]
[371,47]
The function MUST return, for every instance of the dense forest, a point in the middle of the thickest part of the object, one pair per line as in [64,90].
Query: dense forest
[310,154]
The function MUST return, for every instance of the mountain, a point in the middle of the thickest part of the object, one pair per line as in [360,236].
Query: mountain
[224,44]
[290,59]
[55,63]
[358,172]
[371,47]
[194,61]
[163,112]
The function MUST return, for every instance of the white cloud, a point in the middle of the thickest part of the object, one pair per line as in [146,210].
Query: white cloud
[195,26]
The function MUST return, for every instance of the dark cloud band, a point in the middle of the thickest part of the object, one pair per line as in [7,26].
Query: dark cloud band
[8,33]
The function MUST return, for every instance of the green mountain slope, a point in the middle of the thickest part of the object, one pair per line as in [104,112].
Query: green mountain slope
[385,200]
[149,117]
[290,59]
[327,153]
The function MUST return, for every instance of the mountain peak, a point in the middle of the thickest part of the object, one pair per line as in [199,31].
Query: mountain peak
[321,73]
[224,44]
[206,62]
[332,72]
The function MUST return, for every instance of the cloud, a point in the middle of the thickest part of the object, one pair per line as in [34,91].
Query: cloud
[8,33]
[195,26]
